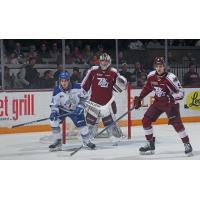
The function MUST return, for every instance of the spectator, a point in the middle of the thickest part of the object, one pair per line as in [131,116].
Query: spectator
[94,61]
[141,82]
[191,78]
[47,80]
[60,68]
[18,51]
[8,81]
[138,70]
[13,59]
[68,55]
[32,75]
[77,56]
[122,58]
[54,52]
[124,72]
[76,75]
[87,54]
[43,52]
[100,50]
[20,82]
[135,44]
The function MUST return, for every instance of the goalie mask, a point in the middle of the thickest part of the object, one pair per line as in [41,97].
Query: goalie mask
[120,84]
[105,61]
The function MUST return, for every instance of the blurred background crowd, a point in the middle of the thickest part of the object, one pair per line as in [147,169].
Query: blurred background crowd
[36,64]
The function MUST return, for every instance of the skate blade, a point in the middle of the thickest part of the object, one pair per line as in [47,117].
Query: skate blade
[147,153]
[55,149]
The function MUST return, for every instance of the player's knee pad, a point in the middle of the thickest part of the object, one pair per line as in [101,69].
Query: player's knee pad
[146,122]
[93,129]
[115,131]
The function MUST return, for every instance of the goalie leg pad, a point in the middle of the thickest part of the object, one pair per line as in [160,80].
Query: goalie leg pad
[107,120]
[90,119]
[115,131]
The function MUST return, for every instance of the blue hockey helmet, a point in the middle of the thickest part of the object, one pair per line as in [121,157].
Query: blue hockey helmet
[64,75]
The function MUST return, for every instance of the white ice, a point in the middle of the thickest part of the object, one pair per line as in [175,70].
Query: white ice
[27,146]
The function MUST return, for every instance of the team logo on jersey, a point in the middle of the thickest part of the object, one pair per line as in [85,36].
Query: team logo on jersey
[103,82]
[159,92]
[193,100]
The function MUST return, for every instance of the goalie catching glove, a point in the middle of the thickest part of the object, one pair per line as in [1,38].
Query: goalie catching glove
[120,84]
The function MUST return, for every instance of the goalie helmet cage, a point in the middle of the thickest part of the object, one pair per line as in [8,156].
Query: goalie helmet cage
[129,123]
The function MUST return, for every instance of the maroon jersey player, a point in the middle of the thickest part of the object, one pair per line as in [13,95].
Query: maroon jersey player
[168,91]
[100,81]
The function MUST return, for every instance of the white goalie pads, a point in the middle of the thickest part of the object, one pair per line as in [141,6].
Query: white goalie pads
[120,84]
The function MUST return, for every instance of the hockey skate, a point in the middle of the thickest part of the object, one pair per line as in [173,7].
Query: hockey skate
[149,148]
[89,144]
[56,146]
[188,149]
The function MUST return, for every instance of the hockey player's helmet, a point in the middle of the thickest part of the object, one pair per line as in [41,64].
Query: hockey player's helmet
[104,61]
[159,61]
[64,75]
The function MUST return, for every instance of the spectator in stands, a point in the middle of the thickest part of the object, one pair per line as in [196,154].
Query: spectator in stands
[60,68]
[18,51]
[68,55]
[47,80]
[153,44]
[122,58]
[100,50]
[76,75]
[87,54]
[188,58]
[94,61]
[124,72]
[191,78]
[32,75]
[54,52]
[142,80]
[77,56]
[19,81]
[33,54]
[13,59]
[44,53]
[138,70]
[135,44]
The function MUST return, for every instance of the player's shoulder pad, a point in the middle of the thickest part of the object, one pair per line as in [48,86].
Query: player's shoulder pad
[151,74]
[113,70]
[56,90]
[172,77]
[76,86]
[95,67]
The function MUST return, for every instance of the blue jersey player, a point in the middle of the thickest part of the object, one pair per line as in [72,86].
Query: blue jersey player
[68,98]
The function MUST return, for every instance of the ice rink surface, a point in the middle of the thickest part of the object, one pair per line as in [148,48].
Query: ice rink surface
[168,146]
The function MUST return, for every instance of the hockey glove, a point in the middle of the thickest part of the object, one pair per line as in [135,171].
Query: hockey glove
[53,116]
[137,102]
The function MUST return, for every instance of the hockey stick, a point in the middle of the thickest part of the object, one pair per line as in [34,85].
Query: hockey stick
[79,148]
[39,120]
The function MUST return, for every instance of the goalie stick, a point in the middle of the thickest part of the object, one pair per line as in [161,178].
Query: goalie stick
[79,148]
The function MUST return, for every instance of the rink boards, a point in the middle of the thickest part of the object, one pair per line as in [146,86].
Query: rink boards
[21,107]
